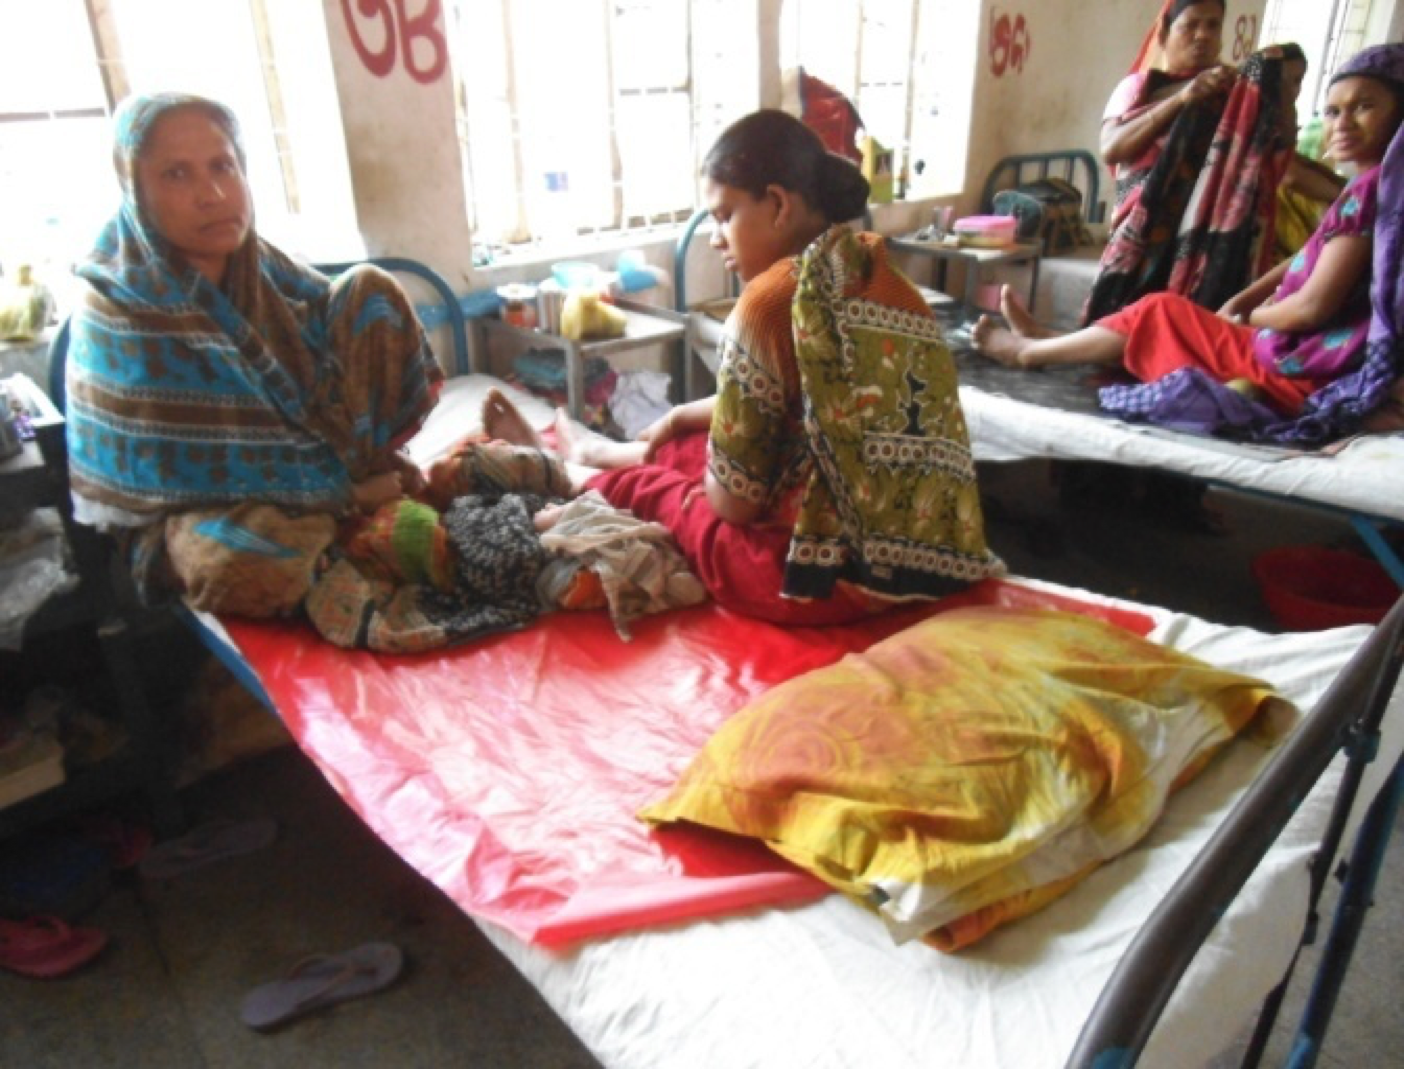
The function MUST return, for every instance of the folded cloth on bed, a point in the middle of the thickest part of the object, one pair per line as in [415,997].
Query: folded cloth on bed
[640,568]
[472,574]
[969,769]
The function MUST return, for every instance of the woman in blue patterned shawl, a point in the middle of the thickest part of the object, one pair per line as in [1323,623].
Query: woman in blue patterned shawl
[211,376]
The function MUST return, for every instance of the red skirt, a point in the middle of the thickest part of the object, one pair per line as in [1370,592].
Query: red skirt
[1165,332]
[742,566]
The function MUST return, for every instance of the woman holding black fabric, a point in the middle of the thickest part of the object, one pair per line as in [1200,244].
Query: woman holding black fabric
[1199,150]
[1145,104]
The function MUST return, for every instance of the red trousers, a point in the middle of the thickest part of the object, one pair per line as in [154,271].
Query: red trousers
[742,566]
[1165,332]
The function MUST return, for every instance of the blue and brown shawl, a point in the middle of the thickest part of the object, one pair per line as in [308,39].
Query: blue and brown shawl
[278,386]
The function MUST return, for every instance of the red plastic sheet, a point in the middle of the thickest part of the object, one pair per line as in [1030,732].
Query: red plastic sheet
[509,771]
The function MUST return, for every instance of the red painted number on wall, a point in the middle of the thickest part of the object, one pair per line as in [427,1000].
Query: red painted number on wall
[1009,43]
[1245,37]
[399,32]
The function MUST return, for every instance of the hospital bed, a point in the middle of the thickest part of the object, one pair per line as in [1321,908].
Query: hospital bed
[1065,276]
[508,772]
[1052,414]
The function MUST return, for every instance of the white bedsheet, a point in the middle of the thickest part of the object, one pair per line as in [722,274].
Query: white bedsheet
[823,985]
[1366,476]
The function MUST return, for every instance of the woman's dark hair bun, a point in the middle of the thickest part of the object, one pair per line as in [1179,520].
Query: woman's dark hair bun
[772,147]
[843,188]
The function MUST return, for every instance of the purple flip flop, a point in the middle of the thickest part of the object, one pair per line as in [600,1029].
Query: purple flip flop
[209,842]
[322,980]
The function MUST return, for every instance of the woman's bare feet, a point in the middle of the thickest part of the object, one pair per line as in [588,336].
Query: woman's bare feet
[577,448]
[503,421]
[1019,318]
[1003,346]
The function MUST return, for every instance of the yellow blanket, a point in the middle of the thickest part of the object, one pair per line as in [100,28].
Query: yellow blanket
[970,769]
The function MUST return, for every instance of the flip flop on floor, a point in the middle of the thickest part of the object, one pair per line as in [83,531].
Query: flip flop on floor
[322,980]
[45,947]
[210,842]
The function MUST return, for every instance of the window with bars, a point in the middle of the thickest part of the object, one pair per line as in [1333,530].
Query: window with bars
[909,68]
[581,116]
[1329,31]
[60,79]
[559,144]
[576,116]
[53,133]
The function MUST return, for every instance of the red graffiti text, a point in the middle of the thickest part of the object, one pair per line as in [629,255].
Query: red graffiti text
[1009,43]
[409,35]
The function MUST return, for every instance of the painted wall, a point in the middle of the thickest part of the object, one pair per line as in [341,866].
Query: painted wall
[396,92]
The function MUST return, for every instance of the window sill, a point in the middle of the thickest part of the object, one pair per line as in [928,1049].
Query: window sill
[532,262]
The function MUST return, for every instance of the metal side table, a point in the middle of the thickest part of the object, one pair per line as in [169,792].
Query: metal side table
[646,325]
[974,259]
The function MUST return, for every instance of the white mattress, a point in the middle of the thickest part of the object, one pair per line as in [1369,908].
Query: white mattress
[1366,475]
[823,985]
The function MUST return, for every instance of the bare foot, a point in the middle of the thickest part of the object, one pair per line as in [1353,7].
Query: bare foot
[574,448]
[503,422]
[998,344]
[1019,318]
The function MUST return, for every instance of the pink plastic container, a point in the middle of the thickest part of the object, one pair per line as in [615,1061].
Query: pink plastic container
[985,231]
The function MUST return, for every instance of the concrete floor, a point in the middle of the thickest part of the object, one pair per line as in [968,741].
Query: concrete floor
[167,991]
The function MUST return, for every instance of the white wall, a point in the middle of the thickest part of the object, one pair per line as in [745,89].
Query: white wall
[401,139]
[1386,22]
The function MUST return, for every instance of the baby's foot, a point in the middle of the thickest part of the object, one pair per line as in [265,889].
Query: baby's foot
[502,421]
[547,518]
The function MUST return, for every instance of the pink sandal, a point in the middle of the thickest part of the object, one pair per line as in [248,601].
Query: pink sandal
[44,947]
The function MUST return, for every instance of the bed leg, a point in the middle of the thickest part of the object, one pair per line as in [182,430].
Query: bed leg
[1357,890]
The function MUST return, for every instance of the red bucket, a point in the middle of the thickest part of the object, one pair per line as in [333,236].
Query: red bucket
[1310,588]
